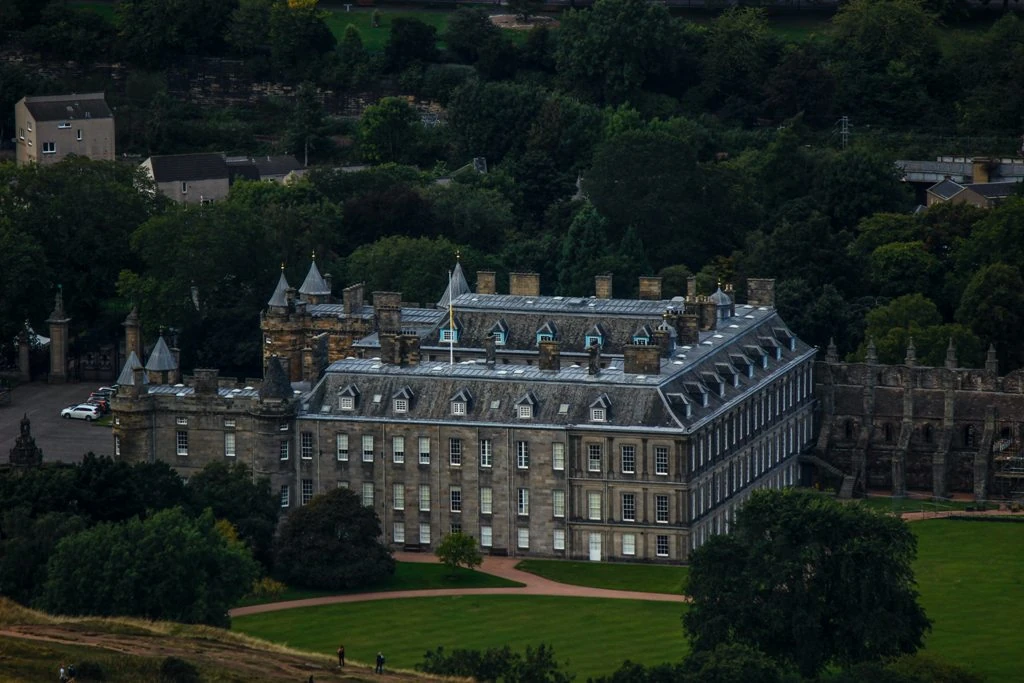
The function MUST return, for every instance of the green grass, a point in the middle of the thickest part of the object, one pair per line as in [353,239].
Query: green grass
[374,39]
[901,505]
[628,577]
[408,576]
[971,578]
[594,635]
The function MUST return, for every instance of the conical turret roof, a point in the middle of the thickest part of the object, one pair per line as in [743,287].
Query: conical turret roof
[280,295]
[456,287]
[161,359]
[275,384]
[314,284]
[127,376]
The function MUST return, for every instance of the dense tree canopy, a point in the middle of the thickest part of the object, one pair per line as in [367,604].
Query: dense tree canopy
[809,582]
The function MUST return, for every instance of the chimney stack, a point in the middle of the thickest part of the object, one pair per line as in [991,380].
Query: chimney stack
[204,380]
[761,292]
[489,346]
[550,356]
[691,287]
[687,328]
[352,298]
[663,340]
[641,359]
[524,284]
[603,286]
[594,362]
[707,314]
[650,288]
[387,307]
[485,282]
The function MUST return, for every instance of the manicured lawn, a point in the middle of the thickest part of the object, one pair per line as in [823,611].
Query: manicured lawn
[901,505]
[408,576]
[628,577]
[374,39]
[595,636]
[971,578]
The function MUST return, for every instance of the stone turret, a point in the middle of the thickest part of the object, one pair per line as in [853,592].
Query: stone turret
[278,303]
[314,289]
[951,360]
[831,353]
[162,365]
[871,357]
[25,452]
[132,333]
[992,360]
[911,357]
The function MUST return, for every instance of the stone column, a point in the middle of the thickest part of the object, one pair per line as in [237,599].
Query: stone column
[132,334]
[24,369]
[59,323]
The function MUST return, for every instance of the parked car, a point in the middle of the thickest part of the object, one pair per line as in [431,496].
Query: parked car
[109,392]
[99,399]
[82,411]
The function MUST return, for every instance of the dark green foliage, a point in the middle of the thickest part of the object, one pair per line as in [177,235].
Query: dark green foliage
[727,663]
[809,582]
[410,41]
[389,132]
[169,566]
[993,306]
[536,665]
[71,33]
[175,670]
[332,543]
[154,32]
[88,670]
[468,30]
[907,669]
[459,550]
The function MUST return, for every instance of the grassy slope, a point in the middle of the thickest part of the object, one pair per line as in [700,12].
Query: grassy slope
[407,576]
[594,635]
[629,577]
[971,578]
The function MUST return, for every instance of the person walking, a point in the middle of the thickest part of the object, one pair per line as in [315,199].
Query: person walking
[64,673]
[380,663]
[341,655]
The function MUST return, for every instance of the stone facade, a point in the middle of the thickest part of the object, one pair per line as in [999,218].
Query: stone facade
[596,429]
[935,430]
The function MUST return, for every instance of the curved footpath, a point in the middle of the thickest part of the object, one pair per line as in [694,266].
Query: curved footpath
[505,567]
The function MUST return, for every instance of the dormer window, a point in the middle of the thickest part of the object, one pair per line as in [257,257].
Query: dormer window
[547,332]
[599,409]
[347,403]
[458,408]
[401,405]
[448,336]
[450,331]
[524,411]
[499,333]
[595,337]
[544,336]
[460,402]
[401,400]
[347,397]
[642,341]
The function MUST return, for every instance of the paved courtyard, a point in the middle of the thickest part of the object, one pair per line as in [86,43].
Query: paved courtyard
[61,440]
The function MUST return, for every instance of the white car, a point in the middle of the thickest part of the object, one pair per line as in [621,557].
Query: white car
[82,411]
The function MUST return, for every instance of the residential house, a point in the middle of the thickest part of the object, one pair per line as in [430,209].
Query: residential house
[52,127]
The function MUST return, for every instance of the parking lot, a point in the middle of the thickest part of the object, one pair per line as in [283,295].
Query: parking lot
[60,440]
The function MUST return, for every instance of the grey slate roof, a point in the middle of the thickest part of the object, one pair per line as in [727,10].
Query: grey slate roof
[994,190]
[721,298]
[275,384]
[276,165]
[126,378]
[314,283]
[946,189]
[161,359]
[673,399]
[68,107]
[280,295]
[178,167]
[456,288]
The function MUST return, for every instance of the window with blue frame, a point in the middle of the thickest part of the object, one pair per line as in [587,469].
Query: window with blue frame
[594,340]
[449,335]
[544,336]
[642,341]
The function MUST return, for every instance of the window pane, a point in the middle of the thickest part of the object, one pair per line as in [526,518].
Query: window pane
[486,501]
[558,456]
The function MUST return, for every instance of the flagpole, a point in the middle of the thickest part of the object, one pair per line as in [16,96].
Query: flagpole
[451,323]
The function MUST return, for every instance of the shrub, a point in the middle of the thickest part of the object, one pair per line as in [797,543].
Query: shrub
[89,670]
[174,670]
[267,588]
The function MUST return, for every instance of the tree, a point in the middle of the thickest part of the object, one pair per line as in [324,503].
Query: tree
[153,32]
[389,131]
[583,252]
[468,30]
[611,50]
[332,543]
[459,550]
[738,55]
[524,9]
[170,567]
[233,494]
[808,581]
[993,307]
[536,665]
[306,122]
[410,40]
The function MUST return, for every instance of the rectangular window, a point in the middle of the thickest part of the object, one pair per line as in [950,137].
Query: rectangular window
[117,445]
[486,500]
[184,187]
[523,502]
[628,459]
[455,452]
[558,456]
[628,507]
[594,457]
[660,460]
[525,411]
[285,502]
[307,490]
[398,532]
[401,405]
[181,421]
[306,445]
[456,499]
[558,542]
[662,546]
[229,423]
[594,505]
[597,415]
[398,449]
[181,442]
[49,148]
[558,503]
[424,450]
[486,536]
[486,454]
[424,534]
[78,135]
[229,444]
[368,494]
[449,335]
[398,496]
[629,544]
[347,403]
[458,407]
[522,538]
[368,448]
[661,509]
[455,527]
[522,455]
[424,498]
[342,443]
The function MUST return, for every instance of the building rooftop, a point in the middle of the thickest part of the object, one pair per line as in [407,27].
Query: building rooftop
[179,167]
[68,107]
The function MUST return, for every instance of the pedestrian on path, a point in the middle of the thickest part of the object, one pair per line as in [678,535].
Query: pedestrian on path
[64,673]
[380,663]
[341,655]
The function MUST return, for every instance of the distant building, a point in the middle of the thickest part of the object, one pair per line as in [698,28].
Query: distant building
[982,195]
[990,179]
[207,177]
[52,127]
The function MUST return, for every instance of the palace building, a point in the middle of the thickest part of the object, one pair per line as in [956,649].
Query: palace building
[579,427]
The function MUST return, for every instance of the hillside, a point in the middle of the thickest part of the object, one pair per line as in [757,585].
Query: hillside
[33,645]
